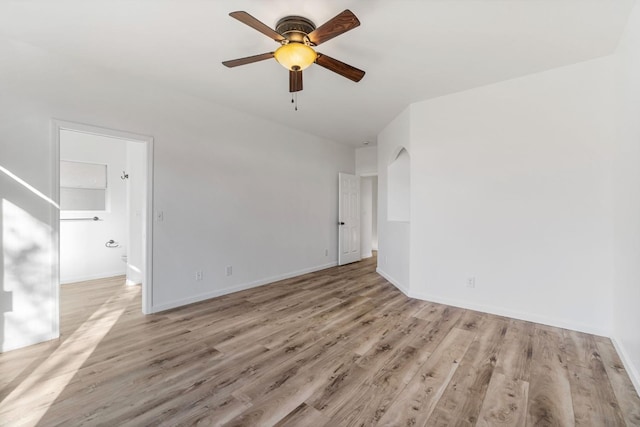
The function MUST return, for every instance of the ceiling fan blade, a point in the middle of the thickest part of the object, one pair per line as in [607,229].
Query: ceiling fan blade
[247,60]
[345,70]
[337,25]
[295,81]
[249,20]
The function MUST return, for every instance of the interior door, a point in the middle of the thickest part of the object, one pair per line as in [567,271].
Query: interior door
[348,219]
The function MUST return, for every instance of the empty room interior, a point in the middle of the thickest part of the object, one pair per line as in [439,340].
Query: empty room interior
[320,213]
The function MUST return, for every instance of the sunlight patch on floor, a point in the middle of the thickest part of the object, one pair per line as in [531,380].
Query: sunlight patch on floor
[30,400]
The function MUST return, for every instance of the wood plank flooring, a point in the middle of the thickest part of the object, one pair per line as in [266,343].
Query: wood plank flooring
[340,347]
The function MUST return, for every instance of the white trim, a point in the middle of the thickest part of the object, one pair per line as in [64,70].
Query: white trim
[55,243]
[633,373]
[107,275]
[628,366]
[147,278]
[499,311]
[393,281]
[58,125]
[33,339]
[100,131]
[367,255]
[529,317]
[237,288]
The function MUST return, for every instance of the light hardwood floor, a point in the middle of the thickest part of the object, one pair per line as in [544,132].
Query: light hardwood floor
[337,347]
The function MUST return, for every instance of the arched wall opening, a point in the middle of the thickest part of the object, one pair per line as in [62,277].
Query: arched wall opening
[399,186]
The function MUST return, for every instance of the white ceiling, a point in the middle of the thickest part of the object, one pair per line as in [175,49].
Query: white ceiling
[411,50]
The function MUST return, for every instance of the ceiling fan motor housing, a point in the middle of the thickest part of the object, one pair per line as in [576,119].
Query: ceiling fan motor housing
[295,28]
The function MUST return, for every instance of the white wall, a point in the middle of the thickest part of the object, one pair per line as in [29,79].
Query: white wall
[83,254]
[28,275]
[367,161]
[511,185]
[234,189]
[626,180]
[393,236]
[399,188]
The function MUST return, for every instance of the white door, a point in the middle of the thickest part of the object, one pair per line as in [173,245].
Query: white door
[348,219]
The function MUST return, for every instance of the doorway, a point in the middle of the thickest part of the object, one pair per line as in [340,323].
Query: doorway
[105,182]
[369,215]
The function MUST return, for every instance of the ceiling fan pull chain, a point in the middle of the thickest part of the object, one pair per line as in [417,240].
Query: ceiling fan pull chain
[294,95]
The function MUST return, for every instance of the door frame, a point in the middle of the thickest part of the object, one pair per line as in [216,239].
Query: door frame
[147,284]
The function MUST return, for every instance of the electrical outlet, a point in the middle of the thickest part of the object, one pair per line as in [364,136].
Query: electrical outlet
[326,252]
[471,282]
[199,275]
[229,270]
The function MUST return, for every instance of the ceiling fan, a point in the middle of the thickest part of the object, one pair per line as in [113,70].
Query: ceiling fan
[297,37]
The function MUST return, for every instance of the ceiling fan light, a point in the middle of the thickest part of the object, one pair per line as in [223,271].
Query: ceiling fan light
[295,56]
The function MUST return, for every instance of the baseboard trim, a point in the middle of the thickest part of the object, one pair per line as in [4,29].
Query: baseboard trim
[498,311]
[36,339]
[633,373]
[529,317]
[367,255]
[393,281]
[92,277]
[156,308]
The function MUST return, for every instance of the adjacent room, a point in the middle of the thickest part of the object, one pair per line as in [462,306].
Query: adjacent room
[320,213]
